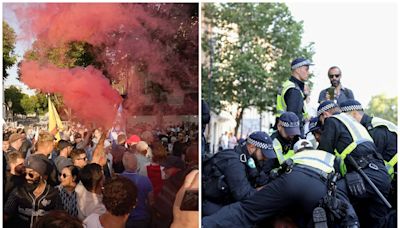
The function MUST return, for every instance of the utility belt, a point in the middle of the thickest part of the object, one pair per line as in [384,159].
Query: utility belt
[370,160]
[323,175]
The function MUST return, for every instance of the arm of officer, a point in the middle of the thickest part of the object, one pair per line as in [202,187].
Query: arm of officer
[385,141]
[294,102]
[236,179]
[329,136]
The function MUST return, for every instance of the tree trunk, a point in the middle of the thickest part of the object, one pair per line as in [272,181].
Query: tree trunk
[238,118]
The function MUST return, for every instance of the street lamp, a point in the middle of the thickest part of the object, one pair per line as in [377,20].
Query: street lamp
[10,114]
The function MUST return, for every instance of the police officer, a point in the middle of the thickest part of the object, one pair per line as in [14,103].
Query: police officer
[384,134]
[231,175]
[297,191]
[344,136]
[287,134]
[291,96]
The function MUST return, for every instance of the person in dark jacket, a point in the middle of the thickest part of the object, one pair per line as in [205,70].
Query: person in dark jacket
[232,175]
[35,199]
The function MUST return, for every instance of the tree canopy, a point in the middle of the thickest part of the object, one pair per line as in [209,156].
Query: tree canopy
[383,107]
[251,46]
[9,57]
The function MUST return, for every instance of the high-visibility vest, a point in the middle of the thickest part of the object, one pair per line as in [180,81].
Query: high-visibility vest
[376,122]
[315,158]
[278,150]
[280,99]
[358,133]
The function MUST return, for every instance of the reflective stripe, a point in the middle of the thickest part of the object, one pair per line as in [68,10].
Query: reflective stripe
[376,121]
[358,133]
[315,158]
[390,165]
[289,154]
[280,99]
[278,150]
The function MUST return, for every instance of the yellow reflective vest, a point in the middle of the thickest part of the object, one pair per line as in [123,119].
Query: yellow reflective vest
[318,159]
[279,151]
[359,134]
[280,99]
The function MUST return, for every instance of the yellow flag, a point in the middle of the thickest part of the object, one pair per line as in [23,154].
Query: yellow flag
[55,123]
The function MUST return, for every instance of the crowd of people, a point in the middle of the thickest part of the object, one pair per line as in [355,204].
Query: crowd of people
[88,177]
[336,169]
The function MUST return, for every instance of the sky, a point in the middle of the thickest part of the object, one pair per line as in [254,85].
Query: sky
[360,38]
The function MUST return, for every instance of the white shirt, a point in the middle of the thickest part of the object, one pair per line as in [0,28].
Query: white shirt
[88,202]
[92,221]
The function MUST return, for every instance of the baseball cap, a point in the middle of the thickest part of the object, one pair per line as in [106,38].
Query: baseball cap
[290,123]
[173,161]
[299,62]
[350,105]
[133,139]
[262,140]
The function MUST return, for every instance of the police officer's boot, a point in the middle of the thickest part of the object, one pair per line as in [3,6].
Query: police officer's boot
[319,218]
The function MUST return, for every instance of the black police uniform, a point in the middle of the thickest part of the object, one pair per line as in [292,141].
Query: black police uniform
[295,101]
[335,136]
[289,194]
[227,179]
[385,140]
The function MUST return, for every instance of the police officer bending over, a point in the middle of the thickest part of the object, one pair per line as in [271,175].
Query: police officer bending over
[296,192]
[350,141]
[231,175]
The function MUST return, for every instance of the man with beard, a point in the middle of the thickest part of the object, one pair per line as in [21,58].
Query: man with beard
[337,92]
[32,200]
[232,175]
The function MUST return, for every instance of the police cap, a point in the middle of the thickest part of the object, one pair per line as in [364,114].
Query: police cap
[262,140]
[350,105]
[325,106]
[299,62]
[290,123]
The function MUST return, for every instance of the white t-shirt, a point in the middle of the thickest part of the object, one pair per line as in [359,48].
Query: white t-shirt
[92,221]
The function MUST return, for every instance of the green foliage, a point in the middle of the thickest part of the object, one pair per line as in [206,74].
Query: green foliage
[14,95]
[252,47]
[9,57]
[383,107]
[34,104]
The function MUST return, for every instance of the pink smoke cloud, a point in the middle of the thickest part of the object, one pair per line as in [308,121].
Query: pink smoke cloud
[85,90]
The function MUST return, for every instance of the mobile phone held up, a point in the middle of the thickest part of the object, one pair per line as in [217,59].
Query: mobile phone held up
[190,201]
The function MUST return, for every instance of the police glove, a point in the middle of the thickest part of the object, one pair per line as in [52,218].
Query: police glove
[355,184]
[336,207]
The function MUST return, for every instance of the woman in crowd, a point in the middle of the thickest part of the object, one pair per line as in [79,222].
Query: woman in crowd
[69,178]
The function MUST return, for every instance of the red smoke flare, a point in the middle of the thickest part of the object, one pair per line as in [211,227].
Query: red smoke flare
[85,90]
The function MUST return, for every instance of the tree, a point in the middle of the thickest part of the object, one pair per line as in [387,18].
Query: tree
[14,95]
[9,57]
[251,46]
[383,107]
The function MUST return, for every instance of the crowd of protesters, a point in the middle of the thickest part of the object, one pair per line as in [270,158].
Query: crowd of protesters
[87,177]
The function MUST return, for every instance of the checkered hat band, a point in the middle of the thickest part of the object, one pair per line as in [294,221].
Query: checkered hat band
[300,64]
[326,108]
[351,108]
[259,144]
[290,124]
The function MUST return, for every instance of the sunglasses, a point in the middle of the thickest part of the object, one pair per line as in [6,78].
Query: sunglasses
[63,175]
[334,75]
[30,175]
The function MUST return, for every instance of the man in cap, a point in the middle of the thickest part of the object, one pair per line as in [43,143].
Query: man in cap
[33,200]
[384,134]
[64,148]
[232,175]
[344,136]
[296,192]
[336,92]
[286,136]
[291,96]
